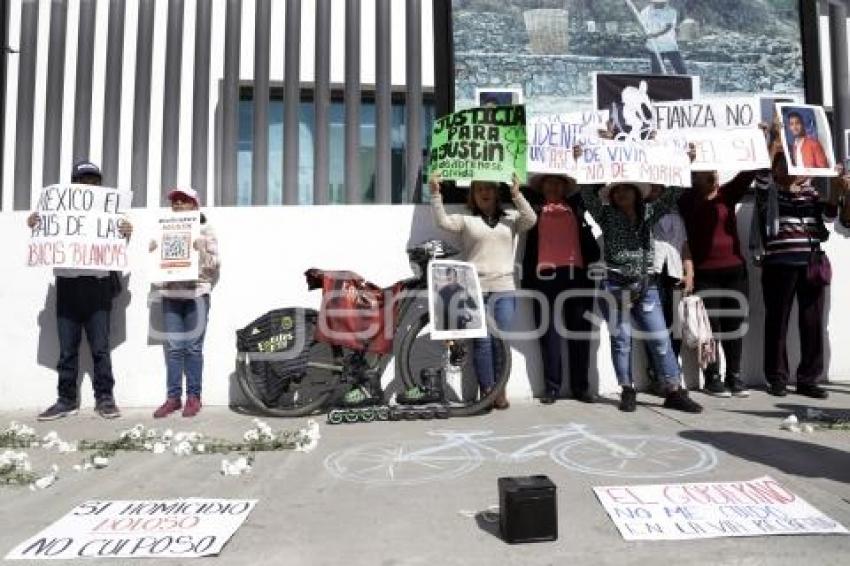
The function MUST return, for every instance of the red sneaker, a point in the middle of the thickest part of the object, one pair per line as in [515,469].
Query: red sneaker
[171,404]
[193,406]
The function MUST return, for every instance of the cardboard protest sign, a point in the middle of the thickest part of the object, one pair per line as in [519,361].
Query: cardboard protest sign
[455,301]
[629,98]
[175,257]
[174,528]
[723,150]
[655,162]
[485,144]
[807,140]
[79,228]
[714,113]
[551,138]
[760,507]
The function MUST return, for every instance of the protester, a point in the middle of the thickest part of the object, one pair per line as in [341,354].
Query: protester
[793,216]
[674,270]
[720,270]
[84,302]
[558,250]
[631,290]
[487,236]
[660,20]
[185,309]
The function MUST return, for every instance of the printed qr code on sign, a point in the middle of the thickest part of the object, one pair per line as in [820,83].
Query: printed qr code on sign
[176,246]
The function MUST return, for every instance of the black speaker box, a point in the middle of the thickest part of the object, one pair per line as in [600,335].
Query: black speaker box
[528,510]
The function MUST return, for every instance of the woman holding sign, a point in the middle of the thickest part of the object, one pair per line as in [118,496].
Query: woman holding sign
[558,251]
[631,290]
[487,235]
[794,266]
[185,309]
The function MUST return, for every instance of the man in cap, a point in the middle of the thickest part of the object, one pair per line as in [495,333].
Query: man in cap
[84,302]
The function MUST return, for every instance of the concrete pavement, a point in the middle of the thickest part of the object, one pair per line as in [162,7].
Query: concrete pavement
[349,503]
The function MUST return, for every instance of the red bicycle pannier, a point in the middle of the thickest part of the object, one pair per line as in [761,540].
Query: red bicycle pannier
[354,313]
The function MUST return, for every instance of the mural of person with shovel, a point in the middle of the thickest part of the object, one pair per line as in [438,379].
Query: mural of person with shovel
[659,20]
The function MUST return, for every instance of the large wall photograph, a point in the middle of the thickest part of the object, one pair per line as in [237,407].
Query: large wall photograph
[550,48]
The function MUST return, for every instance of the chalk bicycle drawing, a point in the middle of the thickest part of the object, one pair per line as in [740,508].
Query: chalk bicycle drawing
[573,446]
[285,371]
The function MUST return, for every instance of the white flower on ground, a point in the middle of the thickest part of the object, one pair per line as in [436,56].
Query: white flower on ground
[158,448]
[180,437]
[100,462]
[46,481]
[151,434]
[251,436]
[65,447]
[235,468]
[307,446]
[312,430]
[135,434]
[200,448]
[167,435]
[183,448]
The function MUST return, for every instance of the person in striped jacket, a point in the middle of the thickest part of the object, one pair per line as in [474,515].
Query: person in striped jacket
[793,217]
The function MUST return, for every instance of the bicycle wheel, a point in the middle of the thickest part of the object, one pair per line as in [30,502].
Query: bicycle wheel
[418,351]
[402,463]
[277,393]
[635,456]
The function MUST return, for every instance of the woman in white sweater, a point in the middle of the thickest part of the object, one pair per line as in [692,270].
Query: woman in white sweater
[487,236]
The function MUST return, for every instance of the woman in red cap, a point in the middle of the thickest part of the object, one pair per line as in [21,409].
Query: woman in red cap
[185,309]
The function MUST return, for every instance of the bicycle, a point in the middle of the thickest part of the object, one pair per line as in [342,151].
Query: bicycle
[285,370]
[572,446]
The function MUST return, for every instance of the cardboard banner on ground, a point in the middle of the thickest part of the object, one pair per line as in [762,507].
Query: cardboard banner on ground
[760,507]
[807,140]
[551,138]
[79,228]
[455,301]
[655,162]
[485,144]
[175,256]
[174,528]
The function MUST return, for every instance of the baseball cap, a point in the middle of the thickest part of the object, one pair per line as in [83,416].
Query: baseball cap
[187,192]
[85,169]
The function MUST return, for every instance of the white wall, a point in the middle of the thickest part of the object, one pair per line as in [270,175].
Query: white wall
[265,253]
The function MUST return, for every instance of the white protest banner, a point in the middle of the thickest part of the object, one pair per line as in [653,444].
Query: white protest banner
[174,528]
[551,138]
[655,162]
[713,113]
[175,256]
[78,228]
[759,507]
[723,150]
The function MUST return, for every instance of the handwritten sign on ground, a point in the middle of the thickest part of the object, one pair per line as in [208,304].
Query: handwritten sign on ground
[759,507]
[176,528]
[79,228]
[655,162]
[551,138]
[485,144]
[175,256]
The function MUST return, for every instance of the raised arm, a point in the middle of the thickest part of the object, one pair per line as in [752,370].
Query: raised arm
[448,222]
[734,190]
[592,202]
[527,218]
[665,203]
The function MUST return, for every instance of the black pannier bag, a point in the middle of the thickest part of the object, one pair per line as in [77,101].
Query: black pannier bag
[276,347]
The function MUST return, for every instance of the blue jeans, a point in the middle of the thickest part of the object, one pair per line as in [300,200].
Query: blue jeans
[185,326]
[647,315]
[484,354]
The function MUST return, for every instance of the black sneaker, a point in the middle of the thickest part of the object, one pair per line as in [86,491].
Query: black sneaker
[587,397]
[547,399]
[60,409]
[777,389]
[812,390]
[714,387]
[736,386]
[107,408]
[680,401]
[628,400]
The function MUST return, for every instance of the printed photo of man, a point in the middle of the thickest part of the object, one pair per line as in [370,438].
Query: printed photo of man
[660,20]
[804,150]
[455,307]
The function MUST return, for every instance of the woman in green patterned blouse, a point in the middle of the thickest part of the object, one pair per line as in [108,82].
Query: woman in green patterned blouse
[630,291]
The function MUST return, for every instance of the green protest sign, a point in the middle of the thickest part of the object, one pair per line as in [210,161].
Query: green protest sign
[485,144]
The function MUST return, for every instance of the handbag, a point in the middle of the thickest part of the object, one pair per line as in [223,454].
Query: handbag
[819,268]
